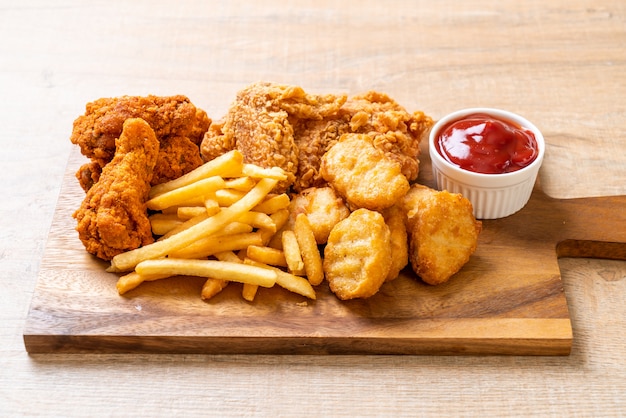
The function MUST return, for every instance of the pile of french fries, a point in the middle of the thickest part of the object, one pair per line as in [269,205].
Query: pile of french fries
[222,222]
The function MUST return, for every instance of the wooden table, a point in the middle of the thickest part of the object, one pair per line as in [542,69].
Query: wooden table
[559,63]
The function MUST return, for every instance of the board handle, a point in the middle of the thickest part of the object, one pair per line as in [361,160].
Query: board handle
[591,249]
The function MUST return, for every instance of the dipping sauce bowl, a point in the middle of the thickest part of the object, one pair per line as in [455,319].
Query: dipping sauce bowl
[490,156]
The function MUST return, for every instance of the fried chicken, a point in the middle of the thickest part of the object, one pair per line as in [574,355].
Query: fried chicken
[442,230]
[395,132]
[113,216]
[172,118]
[260,125]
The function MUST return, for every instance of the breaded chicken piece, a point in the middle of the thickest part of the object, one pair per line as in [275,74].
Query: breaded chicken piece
[363,174]
[113,216]
[177,156]
[323,208]
[395,132]
[443,232]
[395,220]
[170,117]
[88,174]
[357,257]
[96,131]
[314,138]
[259,124]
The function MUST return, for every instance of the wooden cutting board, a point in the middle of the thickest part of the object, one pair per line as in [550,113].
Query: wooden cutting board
[508,299]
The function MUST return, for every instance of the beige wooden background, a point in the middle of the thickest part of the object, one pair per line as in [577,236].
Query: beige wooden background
[561,63]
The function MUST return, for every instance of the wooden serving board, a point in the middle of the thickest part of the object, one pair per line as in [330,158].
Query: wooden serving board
[508,299]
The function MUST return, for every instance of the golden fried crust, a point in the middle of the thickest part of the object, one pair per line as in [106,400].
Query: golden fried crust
[178,155]
[362,174]
[395,131]
[314,138]
[95,131]
[260,125]
[395,220]
[323,208]
[443,232]
[113,216]
[357,256]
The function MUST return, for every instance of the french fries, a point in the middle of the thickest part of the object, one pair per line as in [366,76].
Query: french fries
[207,216]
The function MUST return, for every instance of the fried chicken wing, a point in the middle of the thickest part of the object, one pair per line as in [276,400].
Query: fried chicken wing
[357,257]
[113,216]
[443,232]
[363,174]
[172,118]
[260,125]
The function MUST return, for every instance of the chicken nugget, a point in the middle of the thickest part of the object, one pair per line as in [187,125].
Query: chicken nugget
[357,256]
[362,174]
[443,232]
[323,208]
[394,218]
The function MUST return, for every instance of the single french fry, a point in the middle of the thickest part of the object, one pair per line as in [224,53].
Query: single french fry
[266,255]
[242,184]
[249,291]
[274,239]
[288,281]
[273,204]
[208,246]
[256,171]
[211,206]
[224,270]
[133,279]
[190,193]
[229,164]
[227,197]
[161,223]
[128,260]
[185,213]
[291,250]
[214,286]
[185,225]
[258,220]
[309,250]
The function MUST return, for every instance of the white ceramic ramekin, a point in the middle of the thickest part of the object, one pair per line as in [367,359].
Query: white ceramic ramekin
[492,195]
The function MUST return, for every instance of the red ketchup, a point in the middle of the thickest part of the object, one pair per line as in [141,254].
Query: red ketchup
[485,144]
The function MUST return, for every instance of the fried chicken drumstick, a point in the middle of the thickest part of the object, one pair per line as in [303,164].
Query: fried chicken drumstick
[177,123]
[113,217]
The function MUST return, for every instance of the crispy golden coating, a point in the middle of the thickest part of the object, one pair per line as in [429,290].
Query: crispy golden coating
[172,118]
[363,174]
[178,155]
[395,220]
[395,132]
[443,232]
[323,208]
[259,124]
[113,216]
[357,257]
[96,131]
[314,138]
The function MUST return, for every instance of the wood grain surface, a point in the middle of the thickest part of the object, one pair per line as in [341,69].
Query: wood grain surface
[559,63]
[508,299]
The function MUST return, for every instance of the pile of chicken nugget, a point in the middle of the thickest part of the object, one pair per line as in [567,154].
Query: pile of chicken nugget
[351,166]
